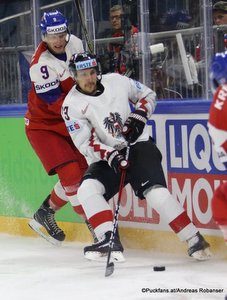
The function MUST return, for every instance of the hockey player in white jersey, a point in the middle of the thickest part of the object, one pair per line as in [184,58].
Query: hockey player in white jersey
[217,125]
[99,119]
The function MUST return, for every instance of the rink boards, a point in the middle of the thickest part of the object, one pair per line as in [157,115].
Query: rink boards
[192,170]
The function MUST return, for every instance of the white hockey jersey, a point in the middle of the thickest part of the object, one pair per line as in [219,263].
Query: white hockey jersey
[95,122]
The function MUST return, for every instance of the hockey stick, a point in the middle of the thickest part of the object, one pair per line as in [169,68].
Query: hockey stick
[110,265]
[83,25]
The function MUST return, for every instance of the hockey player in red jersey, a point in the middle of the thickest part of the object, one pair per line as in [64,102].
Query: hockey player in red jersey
[217,125]
[45,127]
[98,117]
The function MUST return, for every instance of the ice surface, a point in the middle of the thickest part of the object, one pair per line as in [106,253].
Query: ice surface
[31,268]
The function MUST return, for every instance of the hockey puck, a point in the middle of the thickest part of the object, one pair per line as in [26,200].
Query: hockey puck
[159,268]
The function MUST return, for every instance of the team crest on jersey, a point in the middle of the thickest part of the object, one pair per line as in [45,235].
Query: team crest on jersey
[114,124]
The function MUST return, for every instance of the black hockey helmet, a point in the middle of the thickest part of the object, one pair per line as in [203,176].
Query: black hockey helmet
[82,61]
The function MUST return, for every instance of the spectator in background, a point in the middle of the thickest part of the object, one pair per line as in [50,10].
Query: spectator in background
[220,18]
[220,13]
[121,55]
[117,22]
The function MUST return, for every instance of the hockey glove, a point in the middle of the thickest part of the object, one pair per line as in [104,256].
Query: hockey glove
[117,161]
[134,125]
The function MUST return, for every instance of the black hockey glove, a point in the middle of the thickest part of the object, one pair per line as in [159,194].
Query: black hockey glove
[134,125]
[117,161]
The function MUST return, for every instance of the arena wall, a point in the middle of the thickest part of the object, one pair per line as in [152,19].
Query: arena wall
[191,166]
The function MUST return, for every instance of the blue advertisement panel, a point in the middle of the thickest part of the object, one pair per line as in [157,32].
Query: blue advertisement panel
[193,168]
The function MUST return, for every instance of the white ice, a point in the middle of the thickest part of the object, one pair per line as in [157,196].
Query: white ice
[33,269]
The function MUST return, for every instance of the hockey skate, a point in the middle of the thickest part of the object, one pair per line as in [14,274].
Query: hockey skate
[199,248]
[98,251]
[44,218]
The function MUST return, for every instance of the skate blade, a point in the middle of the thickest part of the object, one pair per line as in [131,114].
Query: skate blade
[116,256]
[202,254]
[34,225]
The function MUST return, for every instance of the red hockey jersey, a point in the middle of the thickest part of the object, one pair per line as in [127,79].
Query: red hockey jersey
[51,81]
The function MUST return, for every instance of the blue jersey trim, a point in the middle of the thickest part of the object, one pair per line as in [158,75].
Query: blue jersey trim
[50,96]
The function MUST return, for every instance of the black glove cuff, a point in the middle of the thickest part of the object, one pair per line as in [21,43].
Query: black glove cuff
[139,115]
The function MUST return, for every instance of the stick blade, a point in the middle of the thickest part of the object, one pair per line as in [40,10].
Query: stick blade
[109,269]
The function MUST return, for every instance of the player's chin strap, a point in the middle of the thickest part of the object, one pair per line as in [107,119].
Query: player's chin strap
[67,38]
[110,265]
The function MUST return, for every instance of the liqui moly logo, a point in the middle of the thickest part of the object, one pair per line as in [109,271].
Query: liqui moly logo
[194,170]
[189,148]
